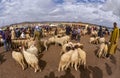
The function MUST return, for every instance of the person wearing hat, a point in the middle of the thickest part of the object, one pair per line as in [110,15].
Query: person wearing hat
[37,37]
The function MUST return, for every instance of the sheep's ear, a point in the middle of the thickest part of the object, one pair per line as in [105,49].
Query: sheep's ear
[58,36]
[76,46]
[81,47]
[68,48]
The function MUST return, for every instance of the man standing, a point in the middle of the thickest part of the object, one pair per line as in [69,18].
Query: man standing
[100,33]
[68,30]
[78,34]
[7,42]
[37,37]
[56,31]
[113,40]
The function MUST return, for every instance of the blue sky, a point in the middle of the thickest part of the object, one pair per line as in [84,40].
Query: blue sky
[102,12]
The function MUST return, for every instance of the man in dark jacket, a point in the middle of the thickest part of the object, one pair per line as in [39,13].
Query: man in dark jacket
[7,40]
[68,30]
[100,32]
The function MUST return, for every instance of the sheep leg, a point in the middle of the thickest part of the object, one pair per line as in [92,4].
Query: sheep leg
[67,65]
[72,64]
[23,63]
[84,63]
[79,62]
[63,66]
[59,68]
[61,52]
[37,67]
[75,66]
[34,66]
[20,62]
[45,45]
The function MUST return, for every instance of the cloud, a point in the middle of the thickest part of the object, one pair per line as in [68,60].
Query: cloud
[93,11]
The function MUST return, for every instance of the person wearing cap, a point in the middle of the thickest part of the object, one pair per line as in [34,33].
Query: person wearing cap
[113,40]
[37,37]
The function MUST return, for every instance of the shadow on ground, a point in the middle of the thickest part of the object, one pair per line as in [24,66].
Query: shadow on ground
[2,59]
[51,75]
[95,72]
[108,69]
[67,74]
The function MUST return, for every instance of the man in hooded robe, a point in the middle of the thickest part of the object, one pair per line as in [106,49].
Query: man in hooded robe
[113,40]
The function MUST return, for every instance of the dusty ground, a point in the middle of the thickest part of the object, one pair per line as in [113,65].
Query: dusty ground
[98,68]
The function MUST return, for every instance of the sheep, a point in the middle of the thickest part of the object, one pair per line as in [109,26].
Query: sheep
[51,40]
[45,44]
[31,42]
[31,59]
[74,59]
[94,40]
[91,39]
[82,57]
[94,33]
[48,42]
[84,32]
[78,45]
[102,50]
[101,40]
[62,40]
[105,49]
[18,57]
[65,60]
[74,55]
[70,44]
[33,50]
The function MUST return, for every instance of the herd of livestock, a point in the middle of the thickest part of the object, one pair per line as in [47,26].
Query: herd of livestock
[72,53]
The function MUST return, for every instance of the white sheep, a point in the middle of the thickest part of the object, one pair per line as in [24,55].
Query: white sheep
[91,39]
[94,33]
[74,59]
[31,59]
[51,40]
[102,50]
[78,45]
[65,60]
[18,57]
[31,42]
[82,57]
[62,40]
[32,49]
[94,40]
[102,40]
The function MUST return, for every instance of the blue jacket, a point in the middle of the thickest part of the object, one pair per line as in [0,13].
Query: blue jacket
[3,35]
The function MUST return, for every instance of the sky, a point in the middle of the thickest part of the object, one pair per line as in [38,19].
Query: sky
[101,12]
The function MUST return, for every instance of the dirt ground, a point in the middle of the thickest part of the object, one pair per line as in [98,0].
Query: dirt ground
[97,67]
